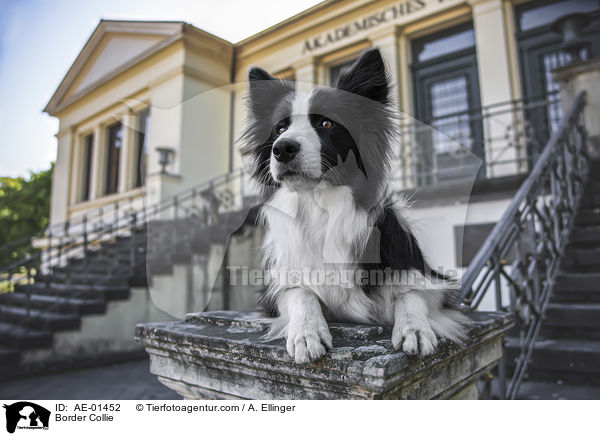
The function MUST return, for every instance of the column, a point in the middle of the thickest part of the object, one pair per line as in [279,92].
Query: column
[386,40]
[128,121]
[493,59]
[305,70]
[76,170]
[61,180]
[166,131]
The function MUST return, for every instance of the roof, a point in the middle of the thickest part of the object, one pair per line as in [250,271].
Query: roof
[159,34]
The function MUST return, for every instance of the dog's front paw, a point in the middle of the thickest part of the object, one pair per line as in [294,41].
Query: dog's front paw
[307,341]
[414,339]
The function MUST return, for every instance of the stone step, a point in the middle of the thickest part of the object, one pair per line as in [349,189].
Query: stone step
[592,186]
[201,241]
[76,291]
[161,261]
[573,314]
[556,390]
[100,270]
[139,280]
[181,253]
[39,319]
[577,287]
[588,217]
[163,266]
[102,267]
[578,281]
[106,257]
[572,320]
[571,360]
[9,356]
[585,236]
[57,304]
[76,287]
[23,338]
[594,169]
[80,278]
[584,259]
[590,199]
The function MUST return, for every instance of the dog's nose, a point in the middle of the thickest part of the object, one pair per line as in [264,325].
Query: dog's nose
[285,150]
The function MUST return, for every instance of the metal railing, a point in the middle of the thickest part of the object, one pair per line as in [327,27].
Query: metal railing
[520,259]
[504,139]
[90,223]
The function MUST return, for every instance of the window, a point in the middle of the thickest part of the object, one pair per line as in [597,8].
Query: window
[142,137]
[449,145]
[440,45]
[449,109]
[88,147]
[115,140]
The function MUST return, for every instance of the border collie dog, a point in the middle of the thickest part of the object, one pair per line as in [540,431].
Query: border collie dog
[321,158]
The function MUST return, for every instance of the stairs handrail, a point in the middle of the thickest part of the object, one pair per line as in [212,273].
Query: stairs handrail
[534,229]
[100,228]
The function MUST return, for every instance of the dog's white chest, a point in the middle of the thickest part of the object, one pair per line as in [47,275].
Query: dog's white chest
[319,232]
[314,228]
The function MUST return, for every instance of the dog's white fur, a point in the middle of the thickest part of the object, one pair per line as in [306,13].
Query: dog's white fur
[313,224]
[316,229]
[301,130]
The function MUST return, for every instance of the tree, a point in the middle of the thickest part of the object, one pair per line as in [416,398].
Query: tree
[24,210]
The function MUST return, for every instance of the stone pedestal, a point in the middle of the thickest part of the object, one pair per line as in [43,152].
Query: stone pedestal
[221,355]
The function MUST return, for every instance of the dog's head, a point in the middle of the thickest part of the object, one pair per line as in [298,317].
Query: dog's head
[339,135]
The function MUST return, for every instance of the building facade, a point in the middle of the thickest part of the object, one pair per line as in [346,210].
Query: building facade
[472,79]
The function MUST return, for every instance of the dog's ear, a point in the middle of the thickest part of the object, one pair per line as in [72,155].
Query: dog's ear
[257,73]
[264,91]
[367,77]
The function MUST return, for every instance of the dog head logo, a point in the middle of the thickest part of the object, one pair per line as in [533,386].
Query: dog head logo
[26,415]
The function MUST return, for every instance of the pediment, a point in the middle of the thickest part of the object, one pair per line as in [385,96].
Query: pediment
[113,52]
[112,46]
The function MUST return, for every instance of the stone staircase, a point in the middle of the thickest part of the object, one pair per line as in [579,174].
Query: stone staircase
[565,362]
[62,299]
[59,300]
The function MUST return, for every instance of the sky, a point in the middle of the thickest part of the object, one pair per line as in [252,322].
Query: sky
[40,39]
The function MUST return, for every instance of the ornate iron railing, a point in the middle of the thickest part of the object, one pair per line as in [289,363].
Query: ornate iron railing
[504,139]
[519,260]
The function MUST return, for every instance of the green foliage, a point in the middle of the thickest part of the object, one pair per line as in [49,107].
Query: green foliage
[24,210]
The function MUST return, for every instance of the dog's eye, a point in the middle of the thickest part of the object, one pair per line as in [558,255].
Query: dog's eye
[328,124]
[280,130]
